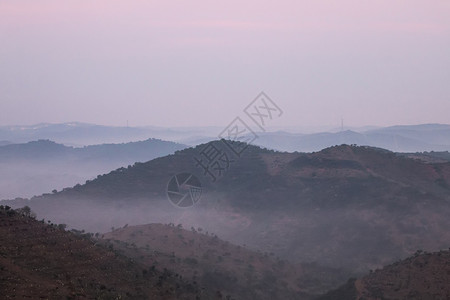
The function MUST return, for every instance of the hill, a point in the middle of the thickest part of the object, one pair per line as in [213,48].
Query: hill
[423,276]
[40,260]
[411,138]
[44,150]
[401,138]
[345,206]
[236,271]
[79,134]
[41,166]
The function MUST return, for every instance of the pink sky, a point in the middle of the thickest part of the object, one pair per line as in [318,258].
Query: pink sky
[186,63]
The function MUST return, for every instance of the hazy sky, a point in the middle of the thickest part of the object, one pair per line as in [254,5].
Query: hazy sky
[194,63]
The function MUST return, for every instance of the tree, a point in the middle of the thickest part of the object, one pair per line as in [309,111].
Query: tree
[25,211]
[62,226]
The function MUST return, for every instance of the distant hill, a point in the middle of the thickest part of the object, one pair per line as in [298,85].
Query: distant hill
[408,138]
[345,206]
[423,276]
[405,138]
[42,261]
[35,150]
[131,152]
[412,138]
[40,166]
[80,134]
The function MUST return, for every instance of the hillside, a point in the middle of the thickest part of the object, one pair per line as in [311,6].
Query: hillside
[423,276]
[431,157]
[40,260]
[345,206]
[218,265]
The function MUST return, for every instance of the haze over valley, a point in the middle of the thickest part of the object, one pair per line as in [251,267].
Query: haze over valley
[238,150]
